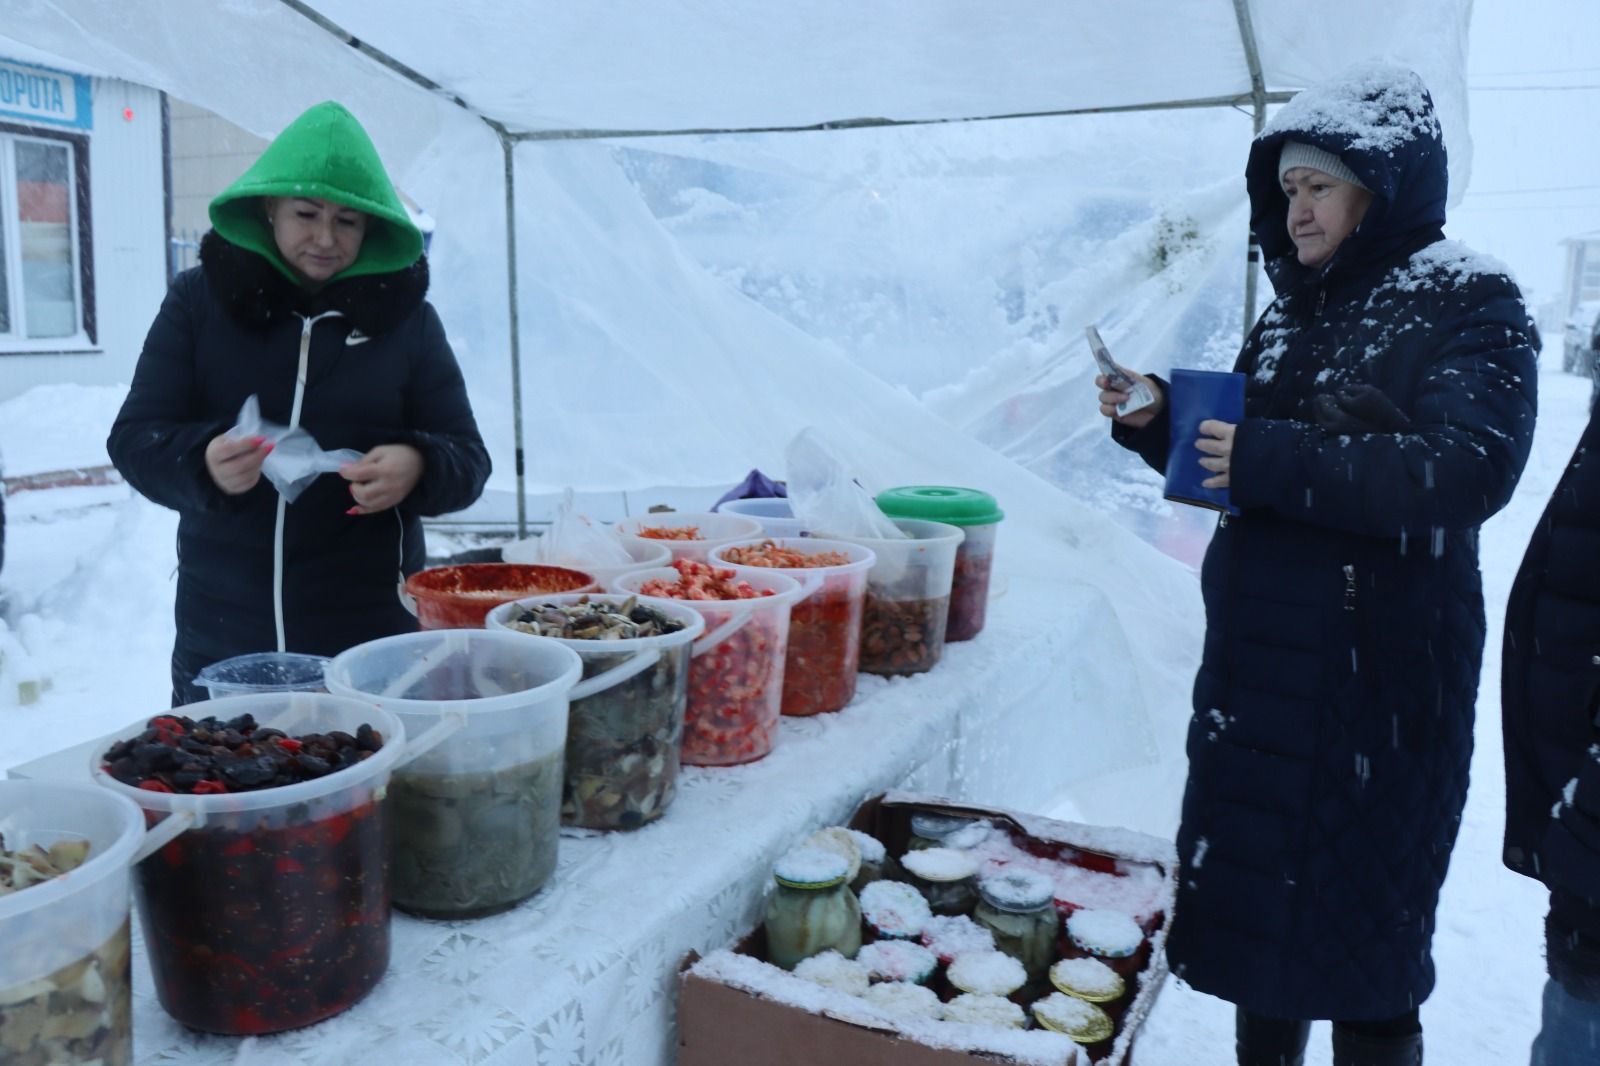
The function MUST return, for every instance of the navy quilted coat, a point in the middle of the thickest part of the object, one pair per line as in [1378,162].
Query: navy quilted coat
[1332,726]
[1550,692]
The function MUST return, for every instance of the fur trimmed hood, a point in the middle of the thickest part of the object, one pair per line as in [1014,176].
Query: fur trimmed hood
[257,295]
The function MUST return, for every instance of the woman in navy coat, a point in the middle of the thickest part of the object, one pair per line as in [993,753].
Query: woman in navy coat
[1389,409]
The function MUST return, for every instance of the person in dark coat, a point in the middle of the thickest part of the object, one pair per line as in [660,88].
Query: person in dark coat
[1549,699]
[1389,409]
[310,297]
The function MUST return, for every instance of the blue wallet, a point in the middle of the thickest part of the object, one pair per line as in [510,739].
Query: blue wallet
[1194,396]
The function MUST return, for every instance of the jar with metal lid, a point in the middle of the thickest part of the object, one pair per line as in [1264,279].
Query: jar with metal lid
[1084,1023]
[945,878]
[1018,907]
[812,908]
[929,830]
[1110,936]
[873,856]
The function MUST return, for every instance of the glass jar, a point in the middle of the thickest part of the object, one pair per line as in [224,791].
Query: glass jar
[1018,907]
[1110,936]
[991,973]
[894,910]
[945,878]
[982,1008]
[873,855]
[812,909]
[898,960]
[928,830]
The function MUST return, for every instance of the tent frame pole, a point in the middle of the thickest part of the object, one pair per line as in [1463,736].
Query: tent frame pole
[508,146]
[1258,99]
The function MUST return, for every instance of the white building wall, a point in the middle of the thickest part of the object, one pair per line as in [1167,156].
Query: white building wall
[128,217]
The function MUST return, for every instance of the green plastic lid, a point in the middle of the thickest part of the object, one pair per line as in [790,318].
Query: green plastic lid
[940,503]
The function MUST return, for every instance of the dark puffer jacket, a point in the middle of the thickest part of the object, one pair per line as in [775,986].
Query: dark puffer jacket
[379,372]
[1549,697]
[1332,728]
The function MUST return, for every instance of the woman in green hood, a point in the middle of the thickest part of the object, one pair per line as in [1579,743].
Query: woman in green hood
[310,297]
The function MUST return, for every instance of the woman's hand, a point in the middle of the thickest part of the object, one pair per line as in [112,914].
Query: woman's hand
[234,463]
[1109,398]
[1216,440]
[383,477]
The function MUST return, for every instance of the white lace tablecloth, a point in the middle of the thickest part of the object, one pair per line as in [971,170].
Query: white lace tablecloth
[584,974]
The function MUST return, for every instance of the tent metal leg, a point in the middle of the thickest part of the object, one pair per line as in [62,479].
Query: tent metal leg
[508,145]
[1258,100]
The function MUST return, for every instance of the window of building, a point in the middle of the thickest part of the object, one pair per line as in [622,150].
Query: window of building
[46,288]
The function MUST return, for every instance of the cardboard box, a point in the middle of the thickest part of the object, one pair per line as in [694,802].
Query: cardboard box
[728,1024]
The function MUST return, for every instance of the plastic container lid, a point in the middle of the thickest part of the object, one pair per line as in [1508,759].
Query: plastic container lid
[265,671]
[941,503]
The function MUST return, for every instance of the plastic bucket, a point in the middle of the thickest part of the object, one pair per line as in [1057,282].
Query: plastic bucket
[271,910]
[735,670]
[908,597]
[645,553]
[775,514]
[264,671]
[458,597]
[712,530]
[820,666]
[66,940]
[476,819]
[625,719]
[978,514]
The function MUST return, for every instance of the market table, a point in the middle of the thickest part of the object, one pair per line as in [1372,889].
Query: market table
[584,973]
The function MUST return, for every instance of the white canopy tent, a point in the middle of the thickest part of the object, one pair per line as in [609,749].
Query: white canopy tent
[550,71]
[651,370]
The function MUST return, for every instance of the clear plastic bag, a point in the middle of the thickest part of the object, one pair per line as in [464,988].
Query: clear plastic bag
[824,495]
[295,460]
[575,539]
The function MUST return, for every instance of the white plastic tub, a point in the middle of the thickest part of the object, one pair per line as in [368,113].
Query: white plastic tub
[645,555]
[82,915]
[272,883]
[477,818]
[625,721]
[908,597]
[713,530]
[775,514]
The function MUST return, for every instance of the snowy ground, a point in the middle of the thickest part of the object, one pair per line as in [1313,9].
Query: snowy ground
[88,587]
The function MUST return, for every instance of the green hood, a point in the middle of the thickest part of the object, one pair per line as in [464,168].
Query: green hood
[324,154]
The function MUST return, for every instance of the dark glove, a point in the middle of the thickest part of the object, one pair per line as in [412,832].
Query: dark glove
[1359,409]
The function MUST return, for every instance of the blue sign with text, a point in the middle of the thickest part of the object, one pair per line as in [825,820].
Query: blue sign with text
[38,94]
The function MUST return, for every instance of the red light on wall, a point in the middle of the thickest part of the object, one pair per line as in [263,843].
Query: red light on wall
[127,114]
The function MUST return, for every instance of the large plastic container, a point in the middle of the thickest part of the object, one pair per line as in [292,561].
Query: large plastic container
[820,666]
[711,529]
[264,671]
[476,819]
[458,597]
[775,514]
[736,672]
[908,597]
[623,736]
[979,516]
[273,911]
[66,940]
[646,555]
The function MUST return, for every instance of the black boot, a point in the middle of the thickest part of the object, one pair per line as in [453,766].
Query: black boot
[1363,1049]
[1262,1041]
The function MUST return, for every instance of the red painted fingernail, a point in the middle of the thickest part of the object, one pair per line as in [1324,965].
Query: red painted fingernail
[354,510]
[268,446]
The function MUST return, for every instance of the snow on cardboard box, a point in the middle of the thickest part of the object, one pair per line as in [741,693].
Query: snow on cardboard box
[734,1007]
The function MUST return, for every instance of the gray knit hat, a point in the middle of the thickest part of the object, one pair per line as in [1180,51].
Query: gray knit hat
[1300,154]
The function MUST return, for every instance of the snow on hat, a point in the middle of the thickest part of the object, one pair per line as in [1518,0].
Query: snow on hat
[1300,154]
